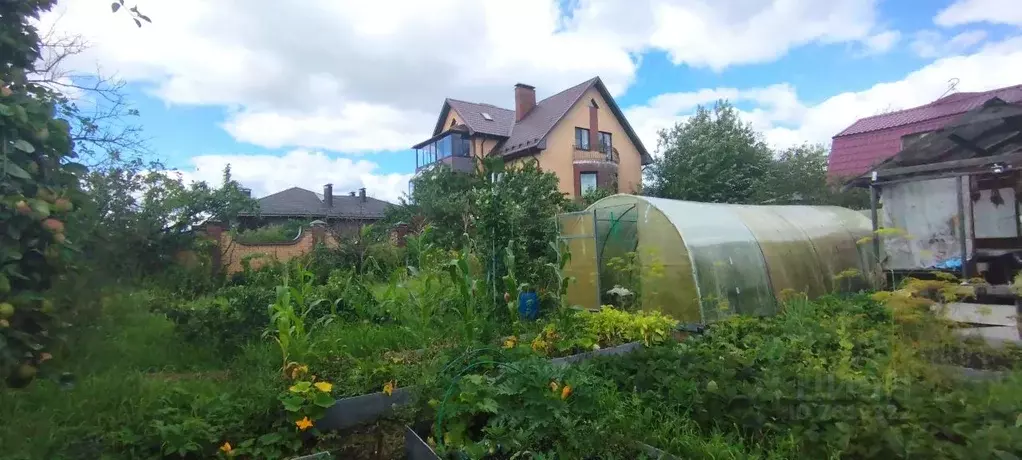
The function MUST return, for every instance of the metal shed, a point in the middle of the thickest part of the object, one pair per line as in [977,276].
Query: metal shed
[701,261]
[952,195]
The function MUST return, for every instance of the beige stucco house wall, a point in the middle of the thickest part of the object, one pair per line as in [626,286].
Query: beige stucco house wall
[548,137]
[558,155]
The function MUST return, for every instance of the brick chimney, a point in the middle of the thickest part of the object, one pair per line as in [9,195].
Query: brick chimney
[525,100]
[328,195]
[362,194]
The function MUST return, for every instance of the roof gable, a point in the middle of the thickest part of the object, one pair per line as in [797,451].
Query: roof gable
[470,114]
[533,130]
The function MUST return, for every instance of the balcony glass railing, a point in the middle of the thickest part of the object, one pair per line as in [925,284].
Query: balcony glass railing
[452,145]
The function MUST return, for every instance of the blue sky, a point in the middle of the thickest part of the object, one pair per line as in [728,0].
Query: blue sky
[336,91]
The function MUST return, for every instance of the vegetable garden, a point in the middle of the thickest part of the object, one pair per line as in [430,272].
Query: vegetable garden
[262,367]
[461,343]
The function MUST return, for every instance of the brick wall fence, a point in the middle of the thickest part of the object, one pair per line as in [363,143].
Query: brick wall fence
[229,252]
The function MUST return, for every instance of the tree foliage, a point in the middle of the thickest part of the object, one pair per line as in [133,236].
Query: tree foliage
[135,221]
[712,157]
[499,206]
[798,175]
[39,187]
[716,157]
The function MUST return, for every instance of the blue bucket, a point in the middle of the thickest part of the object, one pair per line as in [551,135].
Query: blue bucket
[528,305]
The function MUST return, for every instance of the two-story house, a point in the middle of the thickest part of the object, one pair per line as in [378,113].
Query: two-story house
[873,139]
[580,134]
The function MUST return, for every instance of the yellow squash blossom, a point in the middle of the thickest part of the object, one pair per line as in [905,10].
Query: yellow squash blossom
[325,387]
[304,424]
[388,388]
[226,448]
[565,392]
[297,371]
[554,386]
[511,342]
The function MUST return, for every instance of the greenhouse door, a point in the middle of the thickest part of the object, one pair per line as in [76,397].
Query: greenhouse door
[577,234]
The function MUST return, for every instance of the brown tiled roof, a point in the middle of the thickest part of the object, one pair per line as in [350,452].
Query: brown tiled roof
[472,116]
[531,131]
[541,119]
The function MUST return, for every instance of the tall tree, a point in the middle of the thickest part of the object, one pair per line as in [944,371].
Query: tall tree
[712,157]
[39,190]
[798,175]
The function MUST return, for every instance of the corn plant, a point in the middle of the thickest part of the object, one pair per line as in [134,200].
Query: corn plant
[511,286]
[290,323]
[467,284]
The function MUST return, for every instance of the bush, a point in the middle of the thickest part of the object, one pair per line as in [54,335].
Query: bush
[273,233]
[227,320]
[385,258]
[267,275]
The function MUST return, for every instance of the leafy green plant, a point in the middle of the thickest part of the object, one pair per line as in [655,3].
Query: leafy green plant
[39,188]
[307,399]
[471,293]
[273,233]
[585,331]
[528,409]
[291,324]
[227,320]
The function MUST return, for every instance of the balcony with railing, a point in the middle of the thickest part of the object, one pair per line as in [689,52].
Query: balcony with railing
[603,153]
[452,148]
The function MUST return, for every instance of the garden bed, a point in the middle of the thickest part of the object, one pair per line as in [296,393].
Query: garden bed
[358,410]
[618,350]
[418,449]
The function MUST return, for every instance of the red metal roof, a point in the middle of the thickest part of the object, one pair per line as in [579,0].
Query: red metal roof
[871,140]
[954,104]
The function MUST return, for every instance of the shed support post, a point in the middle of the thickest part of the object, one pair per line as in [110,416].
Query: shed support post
[874,191]
[962,237]
[599,260]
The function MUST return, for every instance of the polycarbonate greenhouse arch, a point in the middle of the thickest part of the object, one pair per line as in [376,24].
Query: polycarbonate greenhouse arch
[702,261]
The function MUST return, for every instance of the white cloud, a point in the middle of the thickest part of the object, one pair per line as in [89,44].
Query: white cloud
[971,11]
[881,42]
[785,120]
[369,76]
[718,34]
[930,43]
[266,174]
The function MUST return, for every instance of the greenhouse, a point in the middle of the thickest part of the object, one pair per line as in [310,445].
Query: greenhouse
[702,261]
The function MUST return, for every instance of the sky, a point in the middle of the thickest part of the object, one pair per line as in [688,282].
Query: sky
[336,91]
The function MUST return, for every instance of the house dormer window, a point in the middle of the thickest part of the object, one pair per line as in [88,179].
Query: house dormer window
[582,138]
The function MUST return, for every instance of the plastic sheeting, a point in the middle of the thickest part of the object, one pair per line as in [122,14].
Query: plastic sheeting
[700,262]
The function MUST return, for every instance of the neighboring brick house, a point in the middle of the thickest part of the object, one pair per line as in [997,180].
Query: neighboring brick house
[871,140]
[341,212]
[579,134]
